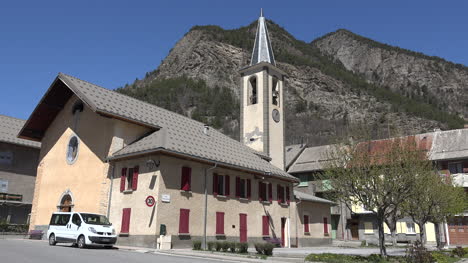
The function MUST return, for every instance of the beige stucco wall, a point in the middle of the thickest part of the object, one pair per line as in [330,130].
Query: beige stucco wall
[276,129]
[143,231]
[87,178]
[316,212]
[253,114]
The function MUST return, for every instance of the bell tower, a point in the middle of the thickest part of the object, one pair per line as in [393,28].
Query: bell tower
[262,100]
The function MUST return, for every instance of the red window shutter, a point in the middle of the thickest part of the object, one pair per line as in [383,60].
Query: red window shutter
[249,189]
[265,226]
[238,187]
[227,185]
[135,178]
[270,192]
[184,221]
[186,179]
[219,223]
[306,223]
[288,200]
[215,184]
[325,225]
[123,178]
[125,228]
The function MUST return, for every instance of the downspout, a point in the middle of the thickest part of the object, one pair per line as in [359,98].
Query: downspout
[110,190]
[297,219]
[206,205]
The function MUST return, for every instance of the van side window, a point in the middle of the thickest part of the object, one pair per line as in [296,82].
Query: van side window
[59,219]
[76,219]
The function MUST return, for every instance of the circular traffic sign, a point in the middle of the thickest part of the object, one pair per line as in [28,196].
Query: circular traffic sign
[150,201]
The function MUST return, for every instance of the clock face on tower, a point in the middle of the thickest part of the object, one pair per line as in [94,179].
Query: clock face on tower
[276,115]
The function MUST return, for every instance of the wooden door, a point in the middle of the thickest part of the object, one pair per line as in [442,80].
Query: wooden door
[283,229]
[243,227]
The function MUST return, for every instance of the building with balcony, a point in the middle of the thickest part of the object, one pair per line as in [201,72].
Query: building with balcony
[18,164]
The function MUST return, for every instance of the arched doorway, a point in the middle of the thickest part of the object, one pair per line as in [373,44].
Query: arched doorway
[66,202]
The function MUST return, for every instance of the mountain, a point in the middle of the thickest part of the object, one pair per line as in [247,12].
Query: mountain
[324,96]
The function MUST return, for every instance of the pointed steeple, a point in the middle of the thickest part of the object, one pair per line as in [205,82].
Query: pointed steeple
[262,51]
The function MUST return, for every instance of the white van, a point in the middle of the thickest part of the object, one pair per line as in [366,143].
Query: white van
[81,229]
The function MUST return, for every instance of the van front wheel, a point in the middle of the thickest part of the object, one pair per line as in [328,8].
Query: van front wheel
[52,241]
[81,242]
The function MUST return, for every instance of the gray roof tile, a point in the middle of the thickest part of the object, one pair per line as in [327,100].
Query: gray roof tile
[312,159]
[178,133]
[449,145]
[9,129]
[312,198]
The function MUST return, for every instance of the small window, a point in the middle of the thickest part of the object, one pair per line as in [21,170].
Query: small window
[275,95]
[6,158]
[72,151]
[265,192]
[243,188]
[3,186]
[410,229]
[185,182]
[306,224]
[455,168]
[252,94]
[219,223]
[129,179]
[221,185]
[368,228]
[304,178]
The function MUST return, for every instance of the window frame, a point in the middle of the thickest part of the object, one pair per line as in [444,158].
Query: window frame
[243,188]
[69,153]
[268,192]
[186,177]
[221,182]
[252,91]
[410,226]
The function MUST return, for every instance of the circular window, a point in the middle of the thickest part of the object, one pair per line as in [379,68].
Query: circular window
[72,151]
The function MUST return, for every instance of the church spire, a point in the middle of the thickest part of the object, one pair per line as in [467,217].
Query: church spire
[262,51]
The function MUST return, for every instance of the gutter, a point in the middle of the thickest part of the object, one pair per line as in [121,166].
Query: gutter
[206,205]
[160,149]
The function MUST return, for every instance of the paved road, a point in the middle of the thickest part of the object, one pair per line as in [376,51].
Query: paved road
[29,251]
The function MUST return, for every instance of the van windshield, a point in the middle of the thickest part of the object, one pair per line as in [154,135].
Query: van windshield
[94,219]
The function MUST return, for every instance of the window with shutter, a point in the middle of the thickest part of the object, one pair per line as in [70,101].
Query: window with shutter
[135,178]
[221,185]
[123,178]
[184,221]
[325,226]
[306,224]
[219,223]
[125,228]
[186,179]
[265,226]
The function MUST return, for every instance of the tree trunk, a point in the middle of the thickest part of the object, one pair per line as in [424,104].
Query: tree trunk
[383,250]
[422,234]
[394,238]
[437,233]
[392,226]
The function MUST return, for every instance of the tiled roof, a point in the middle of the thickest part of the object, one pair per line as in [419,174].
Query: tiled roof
[292,152]
[311,159]
[449,145]
[9,129]
[312,198]
[177,133]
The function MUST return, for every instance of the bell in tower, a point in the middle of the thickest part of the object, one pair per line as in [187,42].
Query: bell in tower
[262,103]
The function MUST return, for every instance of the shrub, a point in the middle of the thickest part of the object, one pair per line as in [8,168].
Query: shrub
[417,253]
[218,246]
[225,246]
[196,245]
[459,252]
[232,247]
[242,247]
[264,248]
[211,245]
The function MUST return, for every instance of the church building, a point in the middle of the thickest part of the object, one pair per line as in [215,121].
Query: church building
[154,172]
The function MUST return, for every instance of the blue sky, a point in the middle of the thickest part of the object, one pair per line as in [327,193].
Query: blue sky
[111,43]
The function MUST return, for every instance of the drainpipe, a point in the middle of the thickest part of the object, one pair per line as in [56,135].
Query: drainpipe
[206,205]
[110,190]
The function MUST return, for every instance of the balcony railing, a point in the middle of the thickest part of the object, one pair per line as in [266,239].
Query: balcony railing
[11,197]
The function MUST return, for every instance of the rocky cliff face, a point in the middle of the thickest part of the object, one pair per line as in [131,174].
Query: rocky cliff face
[411,74]
[323,98]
